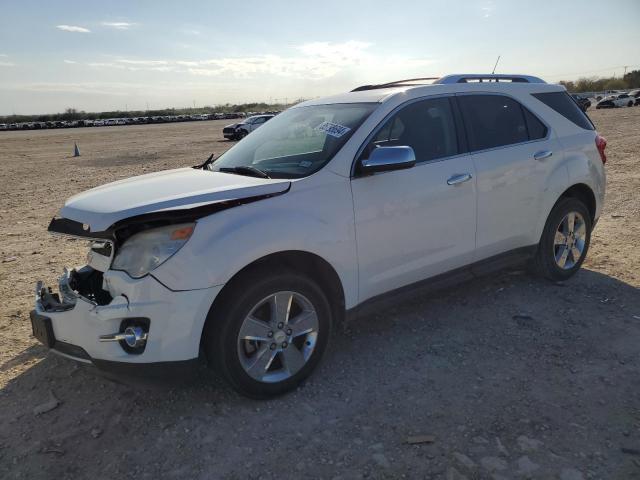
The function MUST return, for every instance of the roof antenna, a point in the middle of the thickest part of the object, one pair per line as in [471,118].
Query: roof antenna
[494,67]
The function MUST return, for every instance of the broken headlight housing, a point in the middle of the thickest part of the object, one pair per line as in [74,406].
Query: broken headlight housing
[149,249]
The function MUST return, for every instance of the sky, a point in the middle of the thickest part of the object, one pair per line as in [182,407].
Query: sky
[118,55]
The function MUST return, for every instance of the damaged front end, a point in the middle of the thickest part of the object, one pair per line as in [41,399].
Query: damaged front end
[113,311]
[85,282]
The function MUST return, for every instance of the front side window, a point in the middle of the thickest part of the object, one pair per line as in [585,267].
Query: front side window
[297,142]
[427,126]
[493,121]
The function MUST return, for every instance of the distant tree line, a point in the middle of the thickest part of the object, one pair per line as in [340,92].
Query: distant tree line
[73,114]
[598,84]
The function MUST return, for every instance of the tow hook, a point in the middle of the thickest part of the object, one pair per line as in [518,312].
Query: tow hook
[134,337]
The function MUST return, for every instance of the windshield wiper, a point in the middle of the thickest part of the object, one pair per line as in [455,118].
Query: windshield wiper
[207,162]
[245,170]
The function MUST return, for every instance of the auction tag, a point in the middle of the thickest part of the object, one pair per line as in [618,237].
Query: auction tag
[334,129]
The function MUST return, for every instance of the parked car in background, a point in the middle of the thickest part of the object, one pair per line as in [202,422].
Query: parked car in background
[613,101]
[583,102]
[635,94]
[333,207]
[237,131]
[4,126]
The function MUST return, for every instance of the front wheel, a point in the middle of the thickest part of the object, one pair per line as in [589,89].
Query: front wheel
[269,333]
[565,240]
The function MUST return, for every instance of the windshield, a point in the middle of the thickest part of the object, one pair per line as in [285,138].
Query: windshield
[297,142]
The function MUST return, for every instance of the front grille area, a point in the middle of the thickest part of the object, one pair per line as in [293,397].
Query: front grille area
[228,130]
[88,283]
[103,248]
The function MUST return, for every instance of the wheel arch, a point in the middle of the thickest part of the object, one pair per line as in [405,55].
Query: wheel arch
[299,261]
[585,194]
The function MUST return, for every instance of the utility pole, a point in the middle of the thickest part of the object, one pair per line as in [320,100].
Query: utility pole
[625,70]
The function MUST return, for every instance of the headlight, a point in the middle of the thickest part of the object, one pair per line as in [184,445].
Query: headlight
[147,250]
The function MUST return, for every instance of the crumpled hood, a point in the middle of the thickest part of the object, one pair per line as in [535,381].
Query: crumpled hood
[181,188]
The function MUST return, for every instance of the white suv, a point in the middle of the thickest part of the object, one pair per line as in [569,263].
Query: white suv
[334,205]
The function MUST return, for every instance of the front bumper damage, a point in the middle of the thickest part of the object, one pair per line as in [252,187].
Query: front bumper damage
[88,323]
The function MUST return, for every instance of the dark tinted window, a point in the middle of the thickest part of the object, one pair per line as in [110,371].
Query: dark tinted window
[536,128]
[426,126]
[493,121]
[562,103]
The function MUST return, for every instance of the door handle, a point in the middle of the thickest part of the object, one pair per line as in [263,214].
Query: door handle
[542,154]
[460,178]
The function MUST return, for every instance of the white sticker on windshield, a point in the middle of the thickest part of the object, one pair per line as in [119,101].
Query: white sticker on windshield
[334,129]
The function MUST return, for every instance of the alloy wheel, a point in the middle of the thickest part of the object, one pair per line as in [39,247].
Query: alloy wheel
[570,240]
[278,336]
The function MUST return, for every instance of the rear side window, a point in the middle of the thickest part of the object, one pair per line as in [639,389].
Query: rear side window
[493,121]
[427,126]
[562,103]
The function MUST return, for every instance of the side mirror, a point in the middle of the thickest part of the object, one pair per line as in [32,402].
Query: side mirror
[384,159]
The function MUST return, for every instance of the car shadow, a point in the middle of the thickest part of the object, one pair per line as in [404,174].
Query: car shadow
[502,356]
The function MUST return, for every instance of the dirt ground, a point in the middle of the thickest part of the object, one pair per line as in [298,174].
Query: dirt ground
[514,377]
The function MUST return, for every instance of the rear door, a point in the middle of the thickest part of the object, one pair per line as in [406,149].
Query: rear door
[415,223]
[512,153]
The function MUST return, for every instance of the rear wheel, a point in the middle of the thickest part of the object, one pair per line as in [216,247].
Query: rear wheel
[565,240]
[270,332]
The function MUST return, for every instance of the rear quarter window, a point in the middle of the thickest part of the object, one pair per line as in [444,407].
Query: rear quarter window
[566,106]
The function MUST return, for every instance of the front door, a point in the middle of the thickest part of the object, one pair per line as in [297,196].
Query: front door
[415,223]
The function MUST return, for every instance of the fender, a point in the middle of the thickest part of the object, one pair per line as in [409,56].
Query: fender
[581,165]
[232,239]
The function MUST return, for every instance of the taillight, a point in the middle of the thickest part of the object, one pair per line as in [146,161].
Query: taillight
[601,144]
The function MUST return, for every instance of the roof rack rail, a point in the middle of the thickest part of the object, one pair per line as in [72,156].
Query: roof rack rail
[391,84]
[488,77]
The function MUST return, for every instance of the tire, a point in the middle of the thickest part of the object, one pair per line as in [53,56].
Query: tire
[241,134]
[630,104]
[548,261]
[289,358]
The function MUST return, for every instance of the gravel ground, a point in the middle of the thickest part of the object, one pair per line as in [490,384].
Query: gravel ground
[504,377]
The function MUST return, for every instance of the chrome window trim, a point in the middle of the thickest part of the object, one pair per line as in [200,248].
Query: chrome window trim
[382,122]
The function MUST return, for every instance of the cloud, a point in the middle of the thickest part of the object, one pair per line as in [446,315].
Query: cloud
[315,61]
[4,55]
[146,63]
[105,65]
[73,28]
[71,62]
[119,25]
[310,61]
[7,64]
[487,9]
